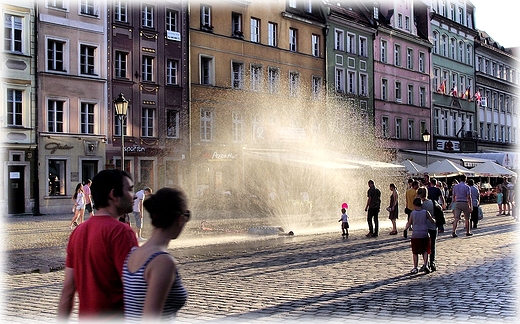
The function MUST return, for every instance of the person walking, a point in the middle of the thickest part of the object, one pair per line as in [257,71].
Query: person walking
[506,208]
[436,195]
[393,208]
[344,222]
[475,202]
[462,204]
[372,208]
[138,211]
[78,200]
[88,197]
[420,242]
[153,289]
[410,195]
[97,250]
[500,198]
[428,204]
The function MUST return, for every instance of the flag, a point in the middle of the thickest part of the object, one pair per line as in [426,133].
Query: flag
[465,93]
[477,96]
[442,87]
[453,92]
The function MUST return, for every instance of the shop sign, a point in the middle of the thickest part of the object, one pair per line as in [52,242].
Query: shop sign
[223,156]
[53,147]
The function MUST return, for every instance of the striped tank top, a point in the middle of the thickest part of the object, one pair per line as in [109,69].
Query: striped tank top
[135,287]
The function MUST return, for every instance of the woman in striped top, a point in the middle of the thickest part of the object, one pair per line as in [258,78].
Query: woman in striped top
[152,286]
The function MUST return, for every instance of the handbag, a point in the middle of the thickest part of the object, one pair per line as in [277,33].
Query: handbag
[480,213]
[438,214]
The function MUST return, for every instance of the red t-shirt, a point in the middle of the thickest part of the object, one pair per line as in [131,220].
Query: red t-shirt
[96,251]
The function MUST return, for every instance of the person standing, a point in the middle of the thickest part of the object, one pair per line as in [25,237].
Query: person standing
[393,208]
[506,208]
[153,289]
[500,198]
[372,208]
[88,197]
[79,206]
[435,194]
[97,250]
[138,211]
[420,241]
[410,195]
[462,204]
[428,204]
[344,222]
[475,202]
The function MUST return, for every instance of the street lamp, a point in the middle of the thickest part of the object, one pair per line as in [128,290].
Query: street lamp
[426,139]
[121,105]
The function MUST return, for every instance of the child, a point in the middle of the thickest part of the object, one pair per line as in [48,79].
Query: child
[420,241]
[344,222]
[500,199]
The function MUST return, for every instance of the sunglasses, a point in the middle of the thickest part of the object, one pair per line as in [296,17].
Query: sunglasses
[187,214]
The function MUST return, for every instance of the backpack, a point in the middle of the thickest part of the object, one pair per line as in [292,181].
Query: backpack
[438,214]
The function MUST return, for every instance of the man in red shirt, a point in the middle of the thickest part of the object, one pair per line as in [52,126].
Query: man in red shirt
[97,250]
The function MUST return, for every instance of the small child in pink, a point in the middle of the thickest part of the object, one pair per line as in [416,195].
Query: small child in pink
[344,222]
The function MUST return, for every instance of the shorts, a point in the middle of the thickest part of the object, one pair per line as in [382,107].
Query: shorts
[459,208]
[344,225]
[88,207]
[420,245]
[138,220]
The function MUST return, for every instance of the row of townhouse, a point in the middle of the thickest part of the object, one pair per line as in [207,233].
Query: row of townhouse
[214,84]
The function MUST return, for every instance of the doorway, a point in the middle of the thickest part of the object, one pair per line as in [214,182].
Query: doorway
[89,168]
[16,189]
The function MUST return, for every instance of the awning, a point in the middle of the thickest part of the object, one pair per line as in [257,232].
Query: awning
[463,159]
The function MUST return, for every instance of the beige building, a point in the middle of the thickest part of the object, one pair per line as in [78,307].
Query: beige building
[71,101]
[257,72]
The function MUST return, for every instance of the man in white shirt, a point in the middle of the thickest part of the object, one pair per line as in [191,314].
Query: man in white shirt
[138,211]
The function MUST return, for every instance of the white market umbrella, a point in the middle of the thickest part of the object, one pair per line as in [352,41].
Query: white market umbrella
[492,169]
[446,168]
[412,168]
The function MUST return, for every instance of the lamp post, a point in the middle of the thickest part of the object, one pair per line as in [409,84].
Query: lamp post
[121,105]
[426,139]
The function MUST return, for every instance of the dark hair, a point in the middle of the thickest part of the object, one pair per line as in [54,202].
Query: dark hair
[410,180]
[104,182]
[343,210]
[392,185]
[433,181]
[462,177]
[165,206]
[370,182]
[422,192]
[471,182]
[88,181]
[417,202]
[76,191]
[415,183]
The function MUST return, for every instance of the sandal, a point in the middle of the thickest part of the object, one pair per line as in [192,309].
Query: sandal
[414,271]
[393,233]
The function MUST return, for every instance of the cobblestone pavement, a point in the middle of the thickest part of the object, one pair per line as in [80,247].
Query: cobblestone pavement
[311,278]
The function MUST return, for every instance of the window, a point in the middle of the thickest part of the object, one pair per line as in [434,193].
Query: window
[256,77]
[352,82]
[422,96]
[58,4]
[120,10]
[445,122]
[55,116]
[172,123]
[14,107]
[452,11]
[421,62]
[56,169]
[363,48]
[206,124]
[436,121]
[461,16]
[205,17]
[147,69]
[436,83]
[384,89]
[383,51]
[351,43]
[172,71]
[410,129]
[398,127]
[407,23]
[307,6]
[410,95]
[293,41]
[444,45]
[121,64]
[13,33]
[409,58]
[435,43]
[271,34]
[87,118]
[172,18]
[87,7]
[292,3]
[315,45]
[442,7]
[397,56]
[294,83]
[494,69]
[461,52]
[363,85]
[316,87]
[147,16]
[340,80]
[206,70]
[238,75]
[398,97]
[273,80]
[339,41]
[238,126]
[147,120]
[384,127]
[453,53]
[469,55]
[255,30]
[55,55]
[236,24]
[87,55]
[399,21]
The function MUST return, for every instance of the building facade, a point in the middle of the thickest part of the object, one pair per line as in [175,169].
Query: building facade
[148,52]
[18,123]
